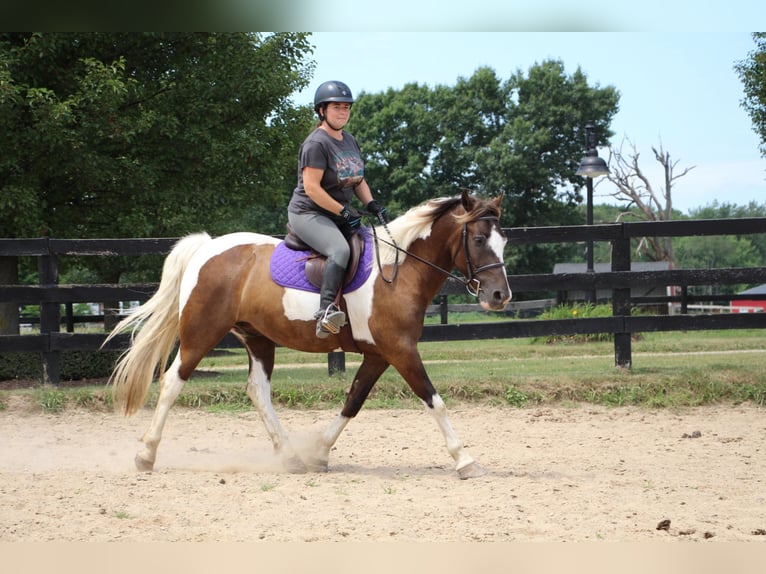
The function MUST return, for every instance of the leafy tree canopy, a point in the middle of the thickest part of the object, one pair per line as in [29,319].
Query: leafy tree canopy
[752,72]
[145,134]
[522,137]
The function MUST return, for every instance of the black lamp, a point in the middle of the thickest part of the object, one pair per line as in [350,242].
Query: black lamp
[590,166]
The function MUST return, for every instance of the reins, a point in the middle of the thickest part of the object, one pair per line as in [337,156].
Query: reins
[466,282]
[392,244]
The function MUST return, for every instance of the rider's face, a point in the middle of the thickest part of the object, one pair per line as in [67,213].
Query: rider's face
[337,114]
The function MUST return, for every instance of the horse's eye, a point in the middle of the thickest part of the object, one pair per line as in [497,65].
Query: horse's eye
[480,240]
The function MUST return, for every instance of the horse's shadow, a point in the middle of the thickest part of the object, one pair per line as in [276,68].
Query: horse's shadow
[239,463]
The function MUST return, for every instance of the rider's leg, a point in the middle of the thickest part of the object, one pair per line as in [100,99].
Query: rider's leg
[323,235]
[330,319]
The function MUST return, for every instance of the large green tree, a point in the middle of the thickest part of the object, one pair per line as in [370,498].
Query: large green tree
[752,72]
[751,248]
[522,137]
[144,134]
[398,132]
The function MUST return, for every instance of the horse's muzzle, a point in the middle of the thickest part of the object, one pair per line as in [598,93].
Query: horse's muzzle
[494,300]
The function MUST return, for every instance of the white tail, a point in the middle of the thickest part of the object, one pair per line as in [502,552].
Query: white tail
[154,330]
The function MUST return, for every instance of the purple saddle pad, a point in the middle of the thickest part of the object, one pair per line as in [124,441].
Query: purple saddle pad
[288,267]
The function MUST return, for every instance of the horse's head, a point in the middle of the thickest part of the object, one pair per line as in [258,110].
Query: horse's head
[480,256]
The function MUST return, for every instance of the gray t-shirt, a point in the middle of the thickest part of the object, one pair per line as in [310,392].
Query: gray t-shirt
[343,168]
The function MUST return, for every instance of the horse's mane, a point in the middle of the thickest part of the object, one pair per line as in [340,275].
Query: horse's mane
[416,223]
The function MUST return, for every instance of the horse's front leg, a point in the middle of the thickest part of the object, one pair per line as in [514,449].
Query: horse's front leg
[465,465]
[410,366]
[369,372]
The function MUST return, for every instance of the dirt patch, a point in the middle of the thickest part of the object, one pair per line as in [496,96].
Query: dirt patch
[555,474]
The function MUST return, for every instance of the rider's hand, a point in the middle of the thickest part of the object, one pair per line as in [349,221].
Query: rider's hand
[352,220]
[378,210]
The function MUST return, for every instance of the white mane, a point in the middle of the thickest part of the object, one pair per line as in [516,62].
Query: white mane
[414,224]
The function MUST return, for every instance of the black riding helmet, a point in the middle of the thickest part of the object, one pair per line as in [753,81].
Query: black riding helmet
[332,91]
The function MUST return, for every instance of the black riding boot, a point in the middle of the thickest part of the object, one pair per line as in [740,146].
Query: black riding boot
[330,318]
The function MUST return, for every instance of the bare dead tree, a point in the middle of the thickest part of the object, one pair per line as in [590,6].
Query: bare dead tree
[650,203]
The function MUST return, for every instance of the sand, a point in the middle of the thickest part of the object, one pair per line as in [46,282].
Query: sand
[555,474]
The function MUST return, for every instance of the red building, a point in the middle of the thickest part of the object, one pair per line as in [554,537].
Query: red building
[750,305]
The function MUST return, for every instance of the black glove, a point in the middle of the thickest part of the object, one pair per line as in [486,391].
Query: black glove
[351,219]
[378,210]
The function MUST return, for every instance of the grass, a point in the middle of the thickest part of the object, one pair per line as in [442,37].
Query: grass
[51,400]
[669,370]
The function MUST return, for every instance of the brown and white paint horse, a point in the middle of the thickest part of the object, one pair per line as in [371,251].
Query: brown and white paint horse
[212,286]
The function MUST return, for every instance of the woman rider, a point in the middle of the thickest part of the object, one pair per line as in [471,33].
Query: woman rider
[330,172]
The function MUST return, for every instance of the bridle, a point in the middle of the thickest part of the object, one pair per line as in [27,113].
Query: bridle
[471,282]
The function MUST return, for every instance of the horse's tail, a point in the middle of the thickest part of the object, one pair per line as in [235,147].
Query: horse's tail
[154,330]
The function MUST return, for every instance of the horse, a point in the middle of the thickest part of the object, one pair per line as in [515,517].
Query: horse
[212,286]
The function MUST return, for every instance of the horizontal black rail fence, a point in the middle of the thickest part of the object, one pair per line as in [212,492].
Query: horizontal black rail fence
[49,294]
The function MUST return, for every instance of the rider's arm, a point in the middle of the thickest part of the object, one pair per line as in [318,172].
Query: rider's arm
[312,184]
[362,191]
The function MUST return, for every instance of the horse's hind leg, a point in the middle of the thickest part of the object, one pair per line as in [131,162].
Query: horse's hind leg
[261,355]
[170,388]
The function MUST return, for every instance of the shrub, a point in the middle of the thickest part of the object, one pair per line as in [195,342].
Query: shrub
[75,365]
[576,311]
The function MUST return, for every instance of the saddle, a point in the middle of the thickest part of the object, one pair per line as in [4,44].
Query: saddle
[315,262]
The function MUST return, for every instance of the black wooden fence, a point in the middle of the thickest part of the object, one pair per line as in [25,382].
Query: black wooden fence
[50,295]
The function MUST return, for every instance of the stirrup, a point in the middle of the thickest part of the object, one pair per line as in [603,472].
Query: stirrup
[330,321]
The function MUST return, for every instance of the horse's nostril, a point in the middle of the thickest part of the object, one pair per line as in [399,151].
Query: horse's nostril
[501,296]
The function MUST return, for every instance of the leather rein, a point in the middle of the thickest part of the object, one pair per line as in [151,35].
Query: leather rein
[471,283]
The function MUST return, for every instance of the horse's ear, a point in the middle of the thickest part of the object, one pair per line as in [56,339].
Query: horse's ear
[468,201]
[498,202]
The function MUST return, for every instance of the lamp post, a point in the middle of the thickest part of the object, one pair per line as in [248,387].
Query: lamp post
[590,166]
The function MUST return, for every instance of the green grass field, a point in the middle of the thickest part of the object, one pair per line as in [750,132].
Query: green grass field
[669,370]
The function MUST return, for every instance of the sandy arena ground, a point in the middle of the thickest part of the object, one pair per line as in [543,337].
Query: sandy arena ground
[555,474]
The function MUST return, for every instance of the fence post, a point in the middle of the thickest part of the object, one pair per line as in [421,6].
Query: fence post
[50,318]
[443,309]
[69,311]
[684,299]
[621,304]
[336,362]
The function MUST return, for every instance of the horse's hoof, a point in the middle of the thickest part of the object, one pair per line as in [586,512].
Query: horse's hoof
[473,470]
[316,458]
[143,465]
[319,466]
[294,465]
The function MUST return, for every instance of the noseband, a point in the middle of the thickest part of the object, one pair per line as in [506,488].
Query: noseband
[472,271]
[471,283]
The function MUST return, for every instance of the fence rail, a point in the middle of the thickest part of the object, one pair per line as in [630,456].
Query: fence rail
[49,294]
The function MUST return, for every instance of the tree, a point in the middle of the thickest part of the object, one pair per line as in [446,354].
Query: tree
[145,134]
[519,137]
[715,252]
[725,210]
[633,186]
[397,131]
[752,72]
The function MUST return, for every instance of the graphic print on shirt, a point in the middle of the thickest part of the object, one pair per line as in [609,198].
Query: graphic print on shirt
[350,169]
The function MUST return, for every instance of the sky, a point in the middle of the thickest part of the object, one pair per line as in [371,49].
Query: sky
[677,89]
